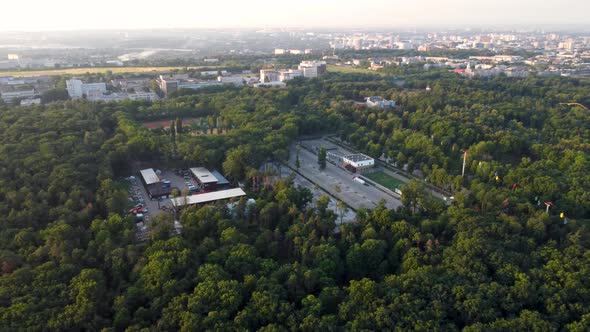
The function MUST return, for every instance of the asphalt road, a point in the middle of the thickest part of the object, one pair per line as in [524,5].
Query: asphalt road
[339,182]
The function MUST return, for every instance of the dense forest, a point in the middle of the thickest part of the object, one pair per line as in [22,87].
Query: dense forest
[493,260]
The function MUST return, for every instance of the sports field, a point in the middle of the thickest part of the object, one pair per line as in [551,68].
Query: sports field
[92,70]
[385,180]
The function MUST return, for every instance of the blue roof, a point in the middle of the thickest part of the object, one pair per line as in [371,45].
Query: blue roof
[221,180]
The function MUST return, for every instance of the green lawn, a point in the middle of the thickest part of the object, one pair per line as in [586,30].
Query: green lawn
[385,180]
[351,70]
[94,70]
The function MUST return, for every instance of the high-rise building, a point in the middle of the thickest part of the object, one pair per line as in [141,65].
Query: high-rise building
[312,69]
[77,89]
[268,75]
[167,84]
[289,74]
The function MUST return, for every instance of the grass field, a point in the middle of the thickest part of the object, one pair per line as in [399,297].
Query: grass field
[350,70]
[92,70]
[385,180]
[120,70]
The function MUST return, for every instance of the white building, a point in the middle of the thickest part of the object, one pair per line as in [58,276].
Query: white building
[289,74]
[380,102]
[269,75]
[205,178]
[208,197]
[29,102]
[507,58]
[5,79]
[270,84]
[149,176]
[404,45]
[197,85]
[76,89]
[117,63]
[9,96]
[308,69]
[235,80]
[150,96]
[213,72]
[358,162]
[310,72]
[312,69]
[97,95]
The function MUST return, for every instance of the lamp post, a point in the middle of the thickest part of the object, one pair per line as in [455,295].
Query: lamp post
[464,161]
[549,205]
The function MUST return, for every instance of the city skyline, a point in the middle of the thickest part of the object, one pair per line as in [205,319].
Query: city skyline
[149,14]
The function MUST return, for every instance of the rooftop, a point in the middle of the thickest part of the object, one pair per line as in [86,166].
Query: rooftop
[204,175]
[149,176]
[220,178]
[375,99]
[208,197]
[357,157]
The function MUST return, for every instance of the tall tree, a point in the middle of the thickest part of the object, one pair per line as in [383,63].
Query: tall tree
[322,154]
[178,125]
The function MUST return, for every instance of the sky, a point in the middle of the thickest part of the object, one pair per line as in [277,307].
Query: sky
[49,15]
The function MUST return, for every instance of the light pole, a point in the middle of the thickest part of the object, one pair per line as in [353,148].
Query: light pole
[464,161]
[548,204]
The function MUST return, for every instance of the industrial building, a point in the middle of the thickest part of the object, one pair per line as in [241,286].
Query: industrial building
[153,185]
[222,182]
[271,84]
[235,80]
[207,197]
[150,96]
[29,102]
[8,96]
[357,163]
[205,179]
[197,85]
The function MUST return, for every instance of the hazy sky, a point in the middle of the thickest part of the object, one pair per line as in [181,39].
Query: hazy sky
[33,15]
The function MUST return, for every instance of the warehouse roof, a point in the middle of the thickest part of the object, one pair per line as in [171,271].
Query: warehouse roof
[221,180]
[149,176]
[357,157]
[208,197]
[204,175]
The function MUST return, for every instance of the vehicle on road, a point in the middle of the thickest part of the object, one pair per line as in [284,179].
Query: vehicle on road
[359,180]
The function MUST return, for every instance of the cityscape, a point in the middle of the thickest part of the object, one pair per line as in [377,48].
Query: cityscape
[468,53]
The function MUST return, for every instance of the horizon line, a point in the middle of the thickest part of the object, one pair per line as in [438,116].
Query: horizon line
[523,26]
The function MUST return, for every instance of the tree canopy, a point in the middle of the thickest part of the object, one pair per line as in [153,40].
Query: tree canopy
[493,259]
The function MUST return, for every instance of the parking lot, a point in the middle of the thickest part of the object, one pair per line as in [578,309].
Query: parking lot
[336,180]
[139,195]
[349,215]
